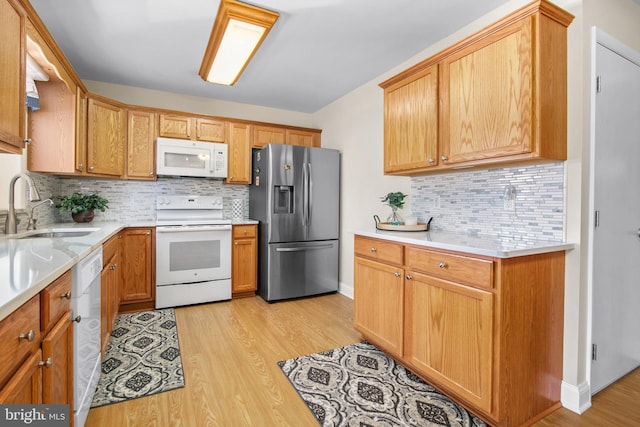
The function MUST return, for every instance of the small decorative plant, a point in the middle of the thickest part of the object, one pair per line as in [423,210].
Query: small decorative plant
[81,205]
[396,201]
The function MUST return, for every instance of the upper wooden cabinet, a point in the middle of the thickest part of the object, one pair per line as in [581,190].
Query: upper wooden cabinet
[141,137]
[188,127]
[263,135]
[502,94]
[105,137]
[411,122]
[305,138]
[12,77]
[239,164]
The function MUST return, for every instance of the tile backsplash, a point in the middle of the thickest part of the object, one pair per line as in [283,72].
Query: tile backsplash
[129,201]
[473,202]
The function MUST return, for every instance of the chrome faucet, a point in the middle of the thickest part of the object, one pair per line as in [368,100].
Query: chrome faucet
[11,223]
[31,225]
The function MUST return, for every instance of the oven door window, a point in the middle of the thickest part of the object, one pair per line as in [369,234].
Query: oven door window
[185,256]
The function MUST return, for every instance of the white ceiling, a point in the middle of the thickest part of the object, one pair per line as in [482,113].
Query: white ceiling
[318,51]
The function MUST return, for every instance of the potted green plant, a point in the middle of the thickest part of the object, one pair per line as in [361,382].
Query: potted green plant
[81,206]
[396,201]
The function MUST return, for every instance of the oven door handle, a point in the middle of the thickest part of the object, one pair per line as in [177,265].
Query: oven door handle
[192,229]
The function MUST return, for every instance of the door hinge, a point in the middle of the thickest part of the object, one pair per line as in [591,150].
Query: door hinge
[596,220]
[598,84]
[594,352]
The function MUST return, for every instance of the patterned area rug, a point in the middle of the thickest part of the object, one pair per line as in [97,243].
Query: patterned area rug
[142,358]
[358,385]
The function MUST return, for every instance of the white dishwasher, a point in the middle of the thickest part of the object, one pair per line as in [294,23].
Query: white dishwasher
[85,305]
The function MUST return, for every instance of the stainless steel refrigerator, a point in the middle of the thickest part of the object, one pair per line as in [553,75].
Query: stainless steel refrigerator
[295,194]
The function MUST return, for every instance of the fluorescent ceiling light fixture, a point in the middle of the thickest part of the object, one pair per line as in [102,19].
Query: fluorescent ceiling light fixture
[237,32]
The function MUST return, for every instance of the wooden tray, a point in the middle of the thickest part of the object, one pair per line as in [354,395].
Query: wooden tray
[421,226]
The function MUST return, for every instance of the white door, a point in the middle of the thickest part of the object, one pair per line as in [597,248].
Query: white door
[616,242]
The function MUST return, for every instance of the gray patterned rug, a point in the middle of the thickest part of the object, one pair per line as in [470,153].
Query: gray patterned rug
[358,385]
[142,358]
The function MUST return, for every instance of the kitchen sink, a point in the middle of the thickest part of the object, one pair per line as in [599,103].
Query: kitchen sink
[57,232]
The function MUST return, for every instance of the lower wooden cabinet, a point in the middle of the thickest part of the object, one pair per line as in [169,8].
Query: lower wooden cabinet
[244,264]
[137,290]
[486,331]
[110,283]
[44,374]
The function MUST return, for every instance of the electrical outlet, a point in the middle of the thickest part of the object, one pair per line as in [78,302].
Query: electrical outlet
[509,205]
[509,198]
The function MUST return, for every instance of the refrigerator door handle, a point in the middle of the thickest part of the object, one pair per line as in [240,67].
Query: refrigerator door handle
[309,193]
[305,195]
[305,248]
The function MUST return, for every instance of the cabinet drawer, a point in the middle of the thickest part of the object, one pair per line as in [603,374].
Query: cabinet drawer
[388,252]
[109,248]
[55,300]
[242,231]
[456,268]
[24,321]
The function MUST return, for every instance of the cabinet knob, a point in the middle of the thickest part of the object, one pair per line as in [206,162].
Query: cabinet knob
[442,265]
[77,319]
[245,232]
[409,277]
[151,173]
[80,166]
[29,336]
[444,158]
[27,140]
[431,160]
[373,249]
[66,295]
[90,168]
[113,267]
[46,363]
[396,274]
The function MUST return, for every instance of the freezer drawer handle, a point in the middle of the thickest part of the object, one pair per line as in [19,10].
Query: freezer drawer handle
[311,248]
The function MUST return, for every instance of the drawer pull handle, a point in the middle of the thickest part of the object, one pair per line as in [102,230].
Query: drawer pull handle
[66,295]
[396,274]
[46,363]
[77,319]
[409,277]
[442,265]
[29,336]
[373,249]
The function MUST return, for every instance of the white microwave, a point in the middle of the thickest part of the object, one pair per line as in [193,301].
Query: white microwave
[181,157]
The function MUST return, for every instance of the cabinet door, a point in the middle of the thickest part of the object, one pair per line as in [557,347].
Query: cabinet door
[141,135]
[302,137]
[81,131]
[487,97]
[210,130]
[25,386]
[137,246]
[263,135]
[106,284]
[244,263]
[239,141]
[411,122]
[378,304]
[12,77]
[449,335]
[105,138]
[175,126]
[57,373]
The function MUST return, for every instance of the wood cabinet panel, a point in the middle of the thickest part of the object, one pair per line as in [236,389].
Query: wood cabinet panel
[54,300]
[110,284]
[82,105]
[189,127]
[411,122]
[175,126]
[302,137]
[210,130]
[105,138]
[239,141]
[385,251]
[263,135]
[137,267]
[12,78]
[57,372]
[19,334]
[463,269]
[141,136]
[244,261]
[25,386]
[449,335]
[378,304]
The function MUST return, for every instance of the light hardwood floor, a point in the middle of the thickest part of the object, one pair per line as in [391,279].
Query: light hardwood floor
[230,352]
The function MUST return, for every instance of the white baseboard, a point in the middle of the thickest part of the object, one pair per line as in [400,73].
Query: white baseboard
[576,398]
[346,290]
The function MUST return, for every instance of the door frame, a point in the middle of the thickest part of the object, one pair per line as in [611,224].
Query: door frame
[598,37]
